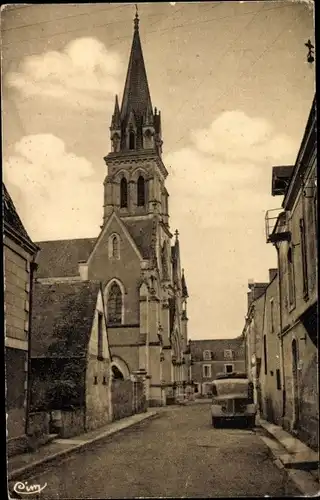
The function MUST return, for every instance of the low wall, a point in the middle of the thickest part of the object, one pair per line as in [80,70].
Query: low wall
[71,423]
[122,399]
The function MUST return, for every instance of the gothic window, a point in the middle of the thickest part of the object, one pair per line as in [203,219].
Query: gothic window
[115,248]
[123,193]
[132,140]
[114,305]
[141,192]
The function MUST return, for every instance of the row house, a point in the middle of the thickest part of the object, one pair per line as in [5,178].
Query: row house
[19,264]
[283,320]
[210,357]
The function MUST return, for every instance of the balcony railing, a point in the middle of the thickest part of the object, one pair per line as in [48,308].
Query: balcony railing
[276,226]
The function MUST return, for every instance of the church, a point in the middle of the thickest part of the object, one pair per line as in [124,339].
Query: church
[136,257]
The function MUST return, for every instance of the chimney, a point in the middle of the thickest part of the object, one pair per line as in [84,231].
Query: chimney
[272,273]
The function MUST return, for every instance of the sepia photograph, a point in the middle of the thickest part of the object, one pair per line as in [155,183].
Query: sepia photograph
[160,249]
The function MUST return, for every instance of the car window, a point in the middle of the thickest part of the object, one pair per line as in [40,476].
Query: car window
[230,386]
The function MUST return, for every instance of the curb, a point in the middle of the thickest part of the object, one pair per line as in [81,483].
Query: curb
[303,480]
[35,467]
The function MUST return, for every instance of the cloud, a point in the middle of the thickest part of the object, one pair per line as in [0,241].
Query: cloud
[58,194]
[227,169]
[84,74]
[220,189]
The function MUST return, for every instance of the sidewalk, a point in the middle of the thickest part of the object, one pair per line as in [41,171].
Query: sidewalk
[21,466]
[300,462]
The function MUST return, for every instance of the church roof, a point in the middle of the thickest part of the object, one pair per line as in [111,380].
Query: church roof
[141,232]
[60,258]
[136,95]
[12,220]
[62,317]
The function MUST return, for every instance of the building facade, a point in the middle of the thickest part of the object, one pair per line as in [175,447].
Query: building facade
[210,357]
[135,256]
[71,362]
[294,236]
[19,264]
[261,337]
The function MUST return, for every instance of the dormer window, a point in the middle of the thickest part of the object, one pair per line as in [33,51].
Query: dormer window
[207,356]
[132,140]
[141,197]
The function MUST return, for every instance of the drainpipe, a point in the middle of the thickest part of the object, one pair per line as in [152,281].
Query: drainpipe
[33,268]
[281,338]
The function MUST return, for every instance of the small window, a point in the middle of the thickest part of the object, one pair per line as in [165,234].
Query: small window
[207,355]
[104,380]
[278,378]
[100,336]
[304,258]
[228,368]
[132,140]
[265,355]
[123,193]
[271,316]
[141,198]
[206,371]
[228,354]
[290,277]
[115,247]
[95,380]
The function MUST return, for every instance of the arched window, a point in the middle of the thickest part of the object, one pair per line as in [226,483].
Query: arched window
[114,305]
[132,140]
[141,192]
[123,193]
[115,248]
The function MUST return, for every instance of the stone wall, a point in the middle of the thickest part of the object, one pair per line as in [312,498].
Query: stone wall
[122,399]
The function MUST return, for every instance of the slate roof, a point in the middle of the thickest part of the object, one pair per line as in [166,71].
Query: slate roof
[217,347]
[12,219]
[60,258]
[136,95]
[62,316]
[141,233]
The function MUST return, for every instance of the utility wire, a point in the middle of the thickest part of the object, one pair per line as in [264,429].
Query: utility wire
[159,32]
[245,72]
[224,55]
[65,17]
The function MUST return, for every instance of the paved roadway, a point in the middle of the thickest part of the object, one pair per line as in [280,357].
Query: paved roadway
[177,454]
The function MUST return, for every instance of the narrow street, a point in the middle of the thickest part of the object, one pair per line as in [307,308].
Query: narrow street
[177,454]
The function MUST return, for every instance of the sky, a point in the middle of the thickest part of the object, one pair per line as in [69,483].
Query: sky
[234,88]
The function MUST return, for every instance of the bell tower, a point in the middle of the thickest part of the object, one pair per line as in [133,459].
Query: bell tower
[134,186]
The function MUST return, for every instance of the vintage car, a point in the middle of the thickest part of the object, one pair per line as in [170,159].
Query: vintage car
[233,399]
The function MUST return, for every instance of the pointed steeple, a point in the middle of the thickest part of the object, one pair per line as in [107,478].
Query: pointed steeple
[184,286]
[136,95]
[116,122]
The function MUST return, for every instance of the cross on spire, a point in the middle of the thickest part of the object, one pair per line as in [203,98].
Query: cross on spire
[136,19]
[176,234]
[310,57]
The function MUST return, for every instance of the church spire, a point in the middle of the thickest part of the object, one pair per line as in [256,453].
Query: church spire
[136,95]
[136,126]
